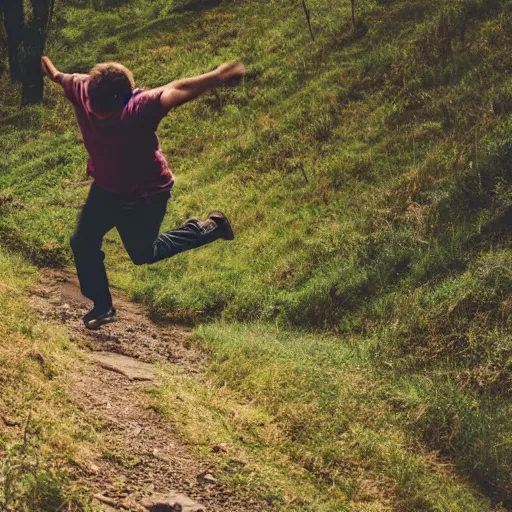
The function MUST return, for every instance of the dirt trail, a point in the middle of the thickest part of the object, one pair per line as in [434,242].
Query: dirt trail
[147,454]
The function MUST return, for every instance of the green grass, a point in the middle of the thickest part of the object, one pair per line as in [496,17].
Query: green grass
[349,157]
[356,433]
[46,435]
[367,175]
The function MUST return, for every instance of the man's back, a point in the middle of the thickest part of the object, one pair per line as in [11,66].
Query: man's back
[124,152]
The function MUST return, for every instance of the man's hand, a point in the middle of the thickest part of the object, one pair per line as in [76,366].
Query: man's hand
[49,69]
[230,72]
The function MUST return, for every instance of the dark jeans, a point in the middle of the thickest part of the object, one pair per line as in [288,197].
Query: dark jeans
[138,225]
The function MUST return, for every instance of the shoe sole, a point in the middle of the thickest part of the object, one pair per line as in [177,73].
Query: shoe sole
[94,326]
[216,214]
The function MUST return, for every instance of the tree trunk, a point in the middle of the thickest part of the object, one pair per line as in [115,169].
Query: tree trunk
[14,27]
[35,37]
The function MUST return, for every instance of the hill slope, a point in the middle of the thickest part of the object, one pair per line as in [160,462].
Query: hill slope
[368,176]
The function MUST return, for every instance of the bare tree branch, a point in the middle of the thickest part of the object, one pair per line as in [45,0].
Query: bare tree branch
[308,18]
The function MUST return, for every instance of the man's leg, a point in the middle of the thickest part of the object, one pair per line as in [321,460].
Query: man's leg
[194,233]
[96,219]
[139,227]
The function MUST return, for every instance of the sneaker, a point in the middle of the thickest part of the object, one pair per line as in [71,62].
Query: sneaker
[192,221]
[98,317]
[226,231]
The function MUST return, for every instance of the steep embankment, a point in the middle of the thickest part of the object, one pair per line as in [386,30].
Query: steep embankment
[368,176]
[139,417]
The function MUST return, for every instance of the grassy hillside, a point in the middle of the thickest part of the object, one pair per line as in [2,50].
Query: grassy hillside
[42,433]
[368,175]
[326,436]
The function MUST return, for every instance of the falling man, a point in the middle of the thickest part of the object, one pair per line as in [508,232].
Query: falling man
[131,178]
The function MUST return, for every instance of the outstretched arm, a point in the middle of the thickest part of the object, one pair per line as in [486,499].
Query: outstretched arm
[180,91]
[52,72]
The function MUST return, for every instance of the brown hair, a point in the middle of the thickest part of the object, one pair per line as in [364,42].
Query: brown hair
[110,87]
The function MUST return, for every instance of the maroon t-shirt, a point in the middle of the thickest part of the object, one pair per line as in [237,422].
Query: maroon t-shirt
[124,153]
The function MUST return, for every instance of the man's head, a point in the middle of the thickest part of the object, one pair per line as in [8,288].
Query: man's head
[110,87]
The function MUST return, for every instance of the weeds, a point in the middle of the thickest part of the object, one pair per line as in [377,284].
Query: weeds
[43,435]
[29,483]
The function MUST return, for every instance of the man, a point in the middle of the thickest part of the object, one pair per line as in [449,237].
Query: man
[132,180]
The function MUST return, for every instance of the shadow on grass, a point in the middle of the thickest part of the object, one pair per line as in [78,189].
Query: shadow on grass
[42,253]
[196,5]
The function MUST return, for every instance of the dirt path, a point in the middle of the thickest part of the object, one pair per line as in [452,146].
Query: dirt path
[147,454]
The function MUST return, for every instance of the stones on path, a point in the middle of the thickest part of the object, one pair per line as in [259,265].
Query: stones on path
[206,478]
[93,467]
[157,502]
[127,366]
[172,502]
[220,448]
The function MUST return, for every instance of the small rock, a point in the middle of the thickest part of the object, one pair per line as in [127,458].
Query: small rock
[93,467]
[220,448]
[37,356]
[165,507]
[172,502]
[159,454]
[131,368]
[206,478]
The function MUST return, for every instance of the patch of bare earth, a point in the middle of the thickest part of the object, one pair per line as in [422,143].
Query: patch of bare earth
[144,453]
